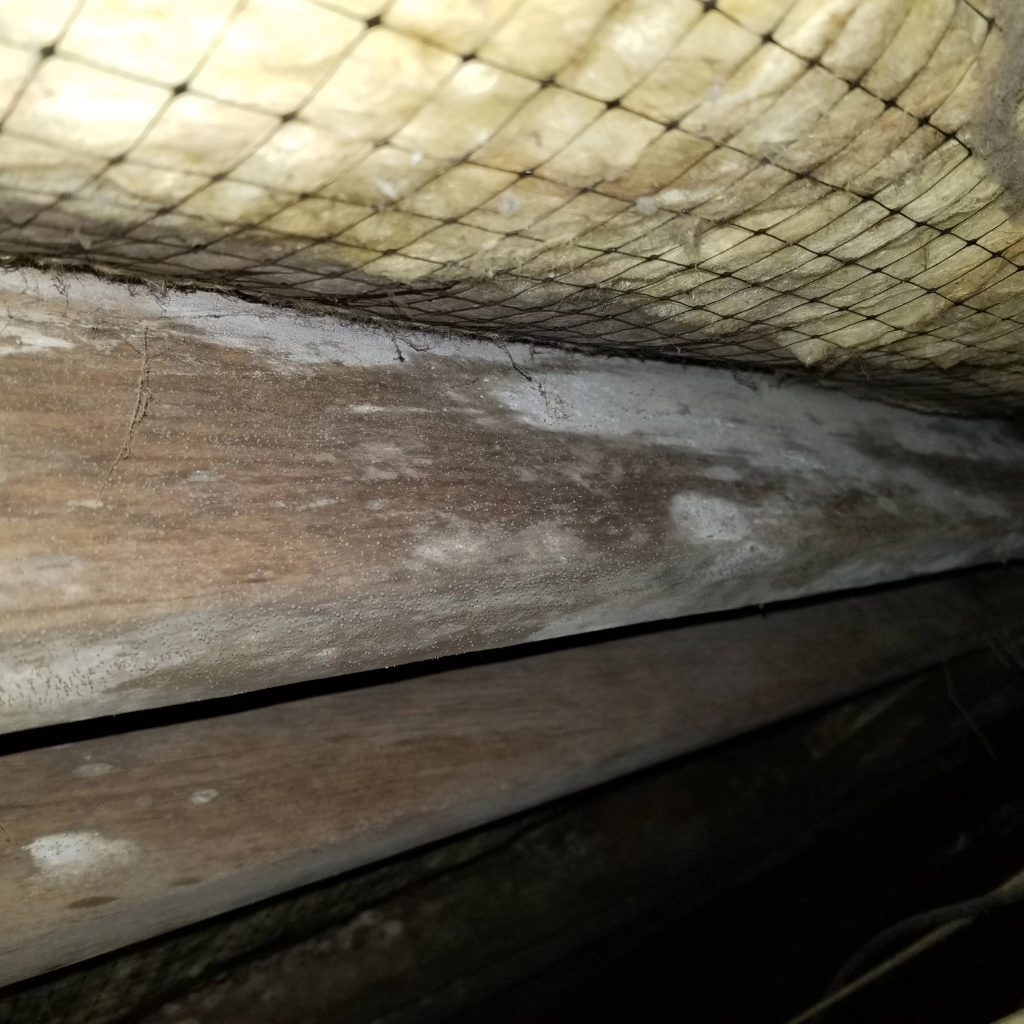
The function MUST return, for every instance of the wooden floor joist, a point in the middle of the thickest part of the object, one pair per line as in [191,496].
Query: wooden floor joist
[202,496]
[116,837]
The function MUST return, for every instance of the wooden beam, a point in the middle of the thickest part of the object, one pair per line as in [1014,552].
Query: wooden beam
[117,837]
[202,496]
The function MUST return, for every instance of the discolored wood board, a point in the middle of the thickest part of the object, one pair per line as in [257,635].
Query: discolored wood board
[112,838]
[201,496]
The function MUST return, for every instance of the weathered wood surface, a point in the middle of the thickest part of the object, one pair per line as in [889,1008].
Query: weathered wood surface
[423,935]
[117,837]
[201,496]
[803,813]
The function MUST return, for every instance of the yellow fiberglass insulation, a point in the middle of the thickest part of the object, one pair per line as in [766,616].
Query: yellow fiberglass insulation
[827,185]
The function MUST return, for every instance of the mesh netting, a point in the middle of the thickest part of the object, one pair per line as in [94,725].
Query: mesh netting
[797,183]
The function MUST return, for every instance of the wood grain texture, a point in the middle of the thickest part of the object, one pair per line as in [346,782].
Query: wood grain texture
[118,837]
[202,496]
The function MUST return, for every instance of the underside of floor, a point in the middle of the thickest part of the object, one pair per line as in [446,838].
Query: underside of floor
[511,511]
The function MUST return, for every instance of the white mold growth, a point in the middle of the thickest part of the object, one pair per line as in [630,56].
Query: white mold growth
[23,339]
[68,857]
[706,518]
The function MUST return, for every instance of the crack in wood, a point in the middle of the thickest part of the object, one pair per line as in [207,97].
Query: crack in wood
[143,396]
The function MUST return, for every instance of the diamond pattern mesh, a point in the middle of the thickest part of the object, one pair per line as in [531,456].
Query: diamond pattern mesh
[794,183]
